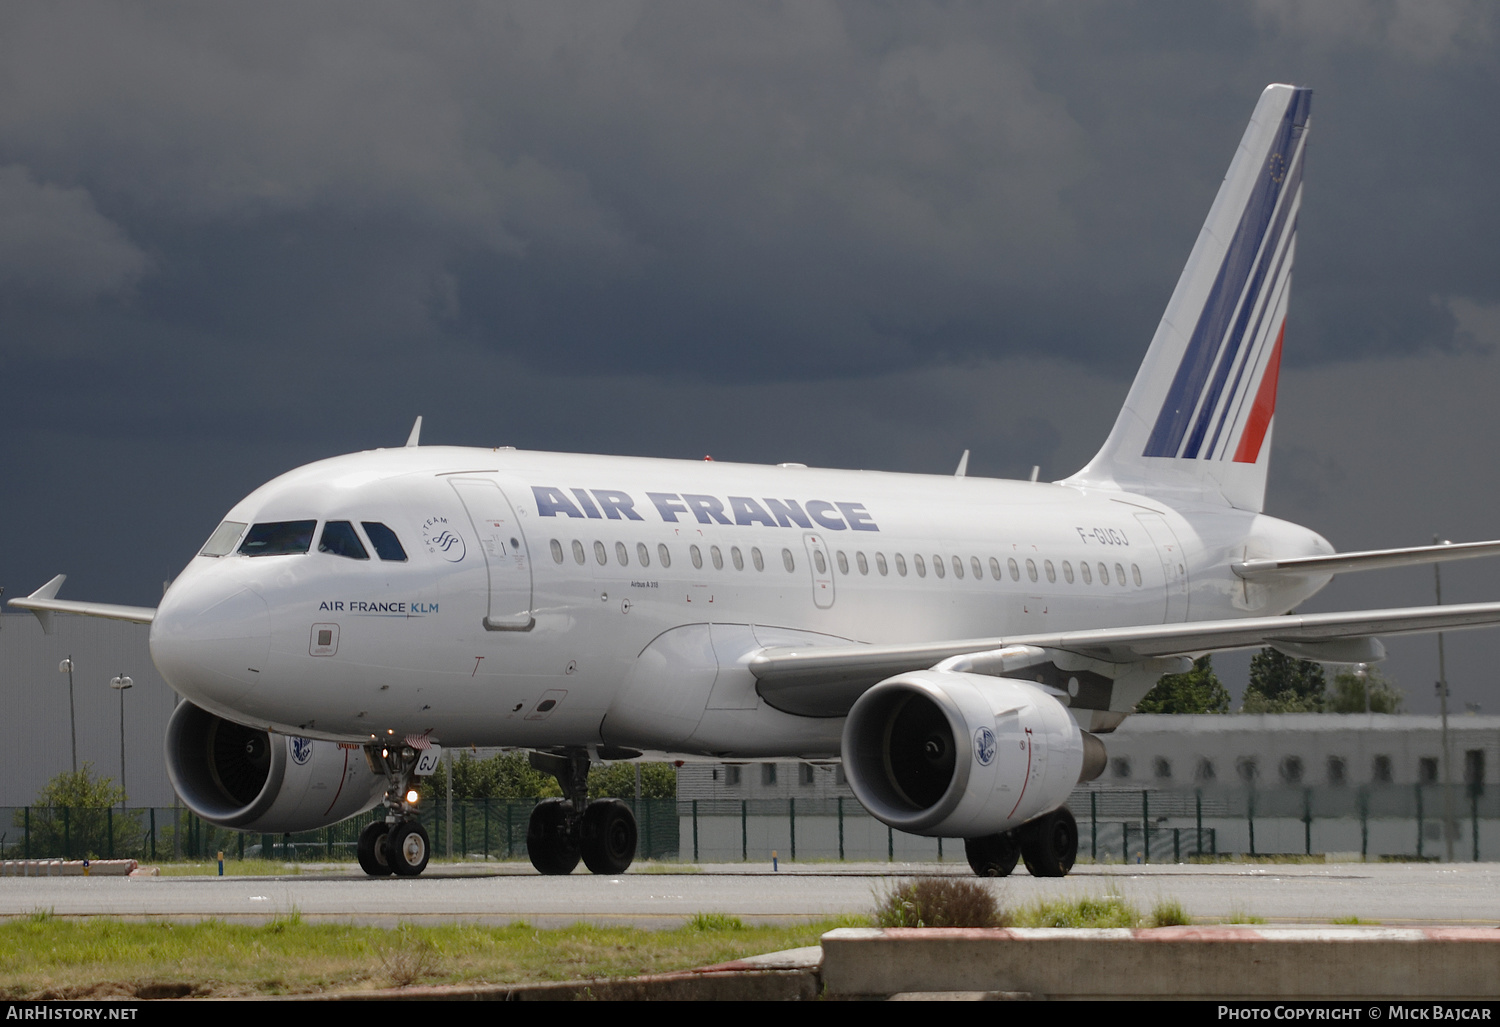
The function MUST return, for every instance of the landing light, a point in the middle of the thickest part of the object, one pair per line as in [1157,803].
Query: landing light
[411,797]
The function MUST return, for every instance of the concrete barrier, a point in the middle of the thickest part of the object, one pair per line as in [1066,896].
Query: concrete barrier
[1166,962]
[68,868]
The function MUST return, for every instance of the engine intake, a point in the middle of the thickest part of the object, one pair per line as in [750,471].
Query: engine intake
[253,780]
[963,755]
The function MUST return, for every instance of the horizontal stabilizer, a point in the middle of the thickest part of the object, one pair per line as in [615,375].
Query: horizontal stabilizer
[43,603]
[1371,560]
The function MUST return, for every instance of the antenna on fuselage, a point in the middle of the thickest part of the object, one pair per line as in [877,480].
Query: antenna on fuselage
[963,466]
[1036,469]
[416,433]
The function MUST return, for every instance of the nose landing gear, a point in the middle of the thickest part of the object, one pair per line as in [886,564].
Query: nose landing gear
[603,834]
[398,844]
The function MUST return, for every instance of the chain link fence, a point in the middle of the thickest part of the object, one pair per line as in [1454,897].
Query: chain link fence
[483,829]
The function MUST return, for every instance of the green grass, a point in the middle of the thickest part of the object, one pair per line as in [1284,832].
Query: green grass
[1352,921]
[1241,916]
[1089,911]
[1169,913]
[43,956]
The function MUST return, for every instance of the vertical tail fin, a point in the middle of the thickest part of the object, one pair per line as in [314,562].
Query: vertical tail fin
[1198,418]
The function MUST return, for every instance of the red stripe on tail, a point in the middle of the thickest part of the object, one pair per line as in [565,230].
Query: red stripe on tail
[1265,405]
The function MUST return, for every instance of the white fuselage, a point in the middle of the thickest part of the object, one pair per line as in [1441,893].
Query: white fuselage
[534,583]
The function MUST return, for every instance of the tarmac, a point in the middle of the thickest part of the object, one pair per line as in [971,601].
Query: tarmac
[664,895]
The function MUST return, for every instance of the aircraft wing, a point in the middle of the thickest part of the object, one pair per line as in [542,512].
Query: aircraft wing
[1370,560]
[44,602]
[829,678]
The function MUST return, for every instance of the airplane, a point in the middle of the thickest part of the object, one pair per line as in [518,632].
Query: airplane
[963,645]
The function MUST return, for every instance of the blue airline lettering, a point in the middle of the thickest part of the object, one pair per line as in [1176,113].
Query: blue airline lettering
[587,503]
[616,504]
[668,505]
[550,502]
[742,510]
[748,511]
[705,507]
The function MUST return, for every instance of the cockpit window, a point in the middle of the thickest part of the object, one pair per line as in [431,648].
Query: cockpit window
[340,540]
[278,538]
[221,542]
[387,545]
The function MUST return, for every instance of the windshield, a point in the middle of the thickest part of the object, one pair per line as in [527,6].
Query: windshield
[278,538]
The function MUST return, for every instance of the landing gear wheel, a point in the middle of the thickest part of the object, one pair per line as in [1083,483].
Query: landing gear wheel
[994,855]
[552,847]
[407,848]
[608,836]
[371,850]
[1049,844]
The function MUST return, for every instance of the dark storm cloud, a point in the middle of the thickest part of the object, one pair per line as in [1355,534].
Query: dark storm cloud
[234,239]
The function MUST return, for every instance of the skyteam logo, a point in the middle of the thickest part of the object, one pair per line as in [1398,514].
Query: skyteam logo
[301,750]
[441,539]
[984,746]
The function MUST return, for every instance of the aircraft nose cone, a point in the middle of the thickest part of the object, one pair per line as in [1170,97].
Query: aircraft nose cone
[211,641]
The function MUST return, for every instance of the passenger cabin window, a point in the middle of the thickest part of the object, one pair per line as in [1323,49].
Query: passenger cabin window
[758,560]
[221,542]
[556,551]
[880,564]
[387,545]
[340,540]
[1015,571]
[578,552]
[278,538]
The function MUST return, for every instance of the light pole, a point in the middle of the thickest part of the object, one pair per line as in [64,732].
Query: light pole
[1442,690]
[66,667]
[119,683]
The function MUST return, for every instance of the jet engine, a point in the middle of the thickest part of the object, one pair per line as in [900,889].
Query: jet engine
[253,780]
[963,755]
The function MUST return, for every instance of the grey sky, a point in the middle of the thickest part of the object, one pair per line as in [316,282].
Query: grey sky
[237,238]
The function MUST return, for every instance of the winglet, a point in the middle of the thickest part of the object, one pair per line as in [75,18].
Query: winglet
[416,433]
[963,466]
[47,591]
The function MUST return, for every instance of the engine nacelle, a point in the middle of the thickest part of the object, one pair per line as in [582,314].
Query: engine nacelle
[963,755]
[254,780]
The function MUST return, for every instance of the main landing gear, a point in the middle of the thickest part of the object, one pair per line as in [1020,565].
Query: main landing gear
[398,844]
[1048,844]
[603,834]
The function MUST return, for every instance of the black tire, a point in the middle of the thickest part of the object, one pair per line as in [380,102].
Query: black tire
[608,837]
[994,855]
[371,849]
[552,847]
[407,848]
[1049,844]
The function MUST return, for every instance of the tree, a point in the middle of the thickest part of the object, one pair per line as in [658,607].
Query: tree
[617,781]
[1281,684]
[509,775]
[506,775]
[1195,691]
[74,816]
[1349,692]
